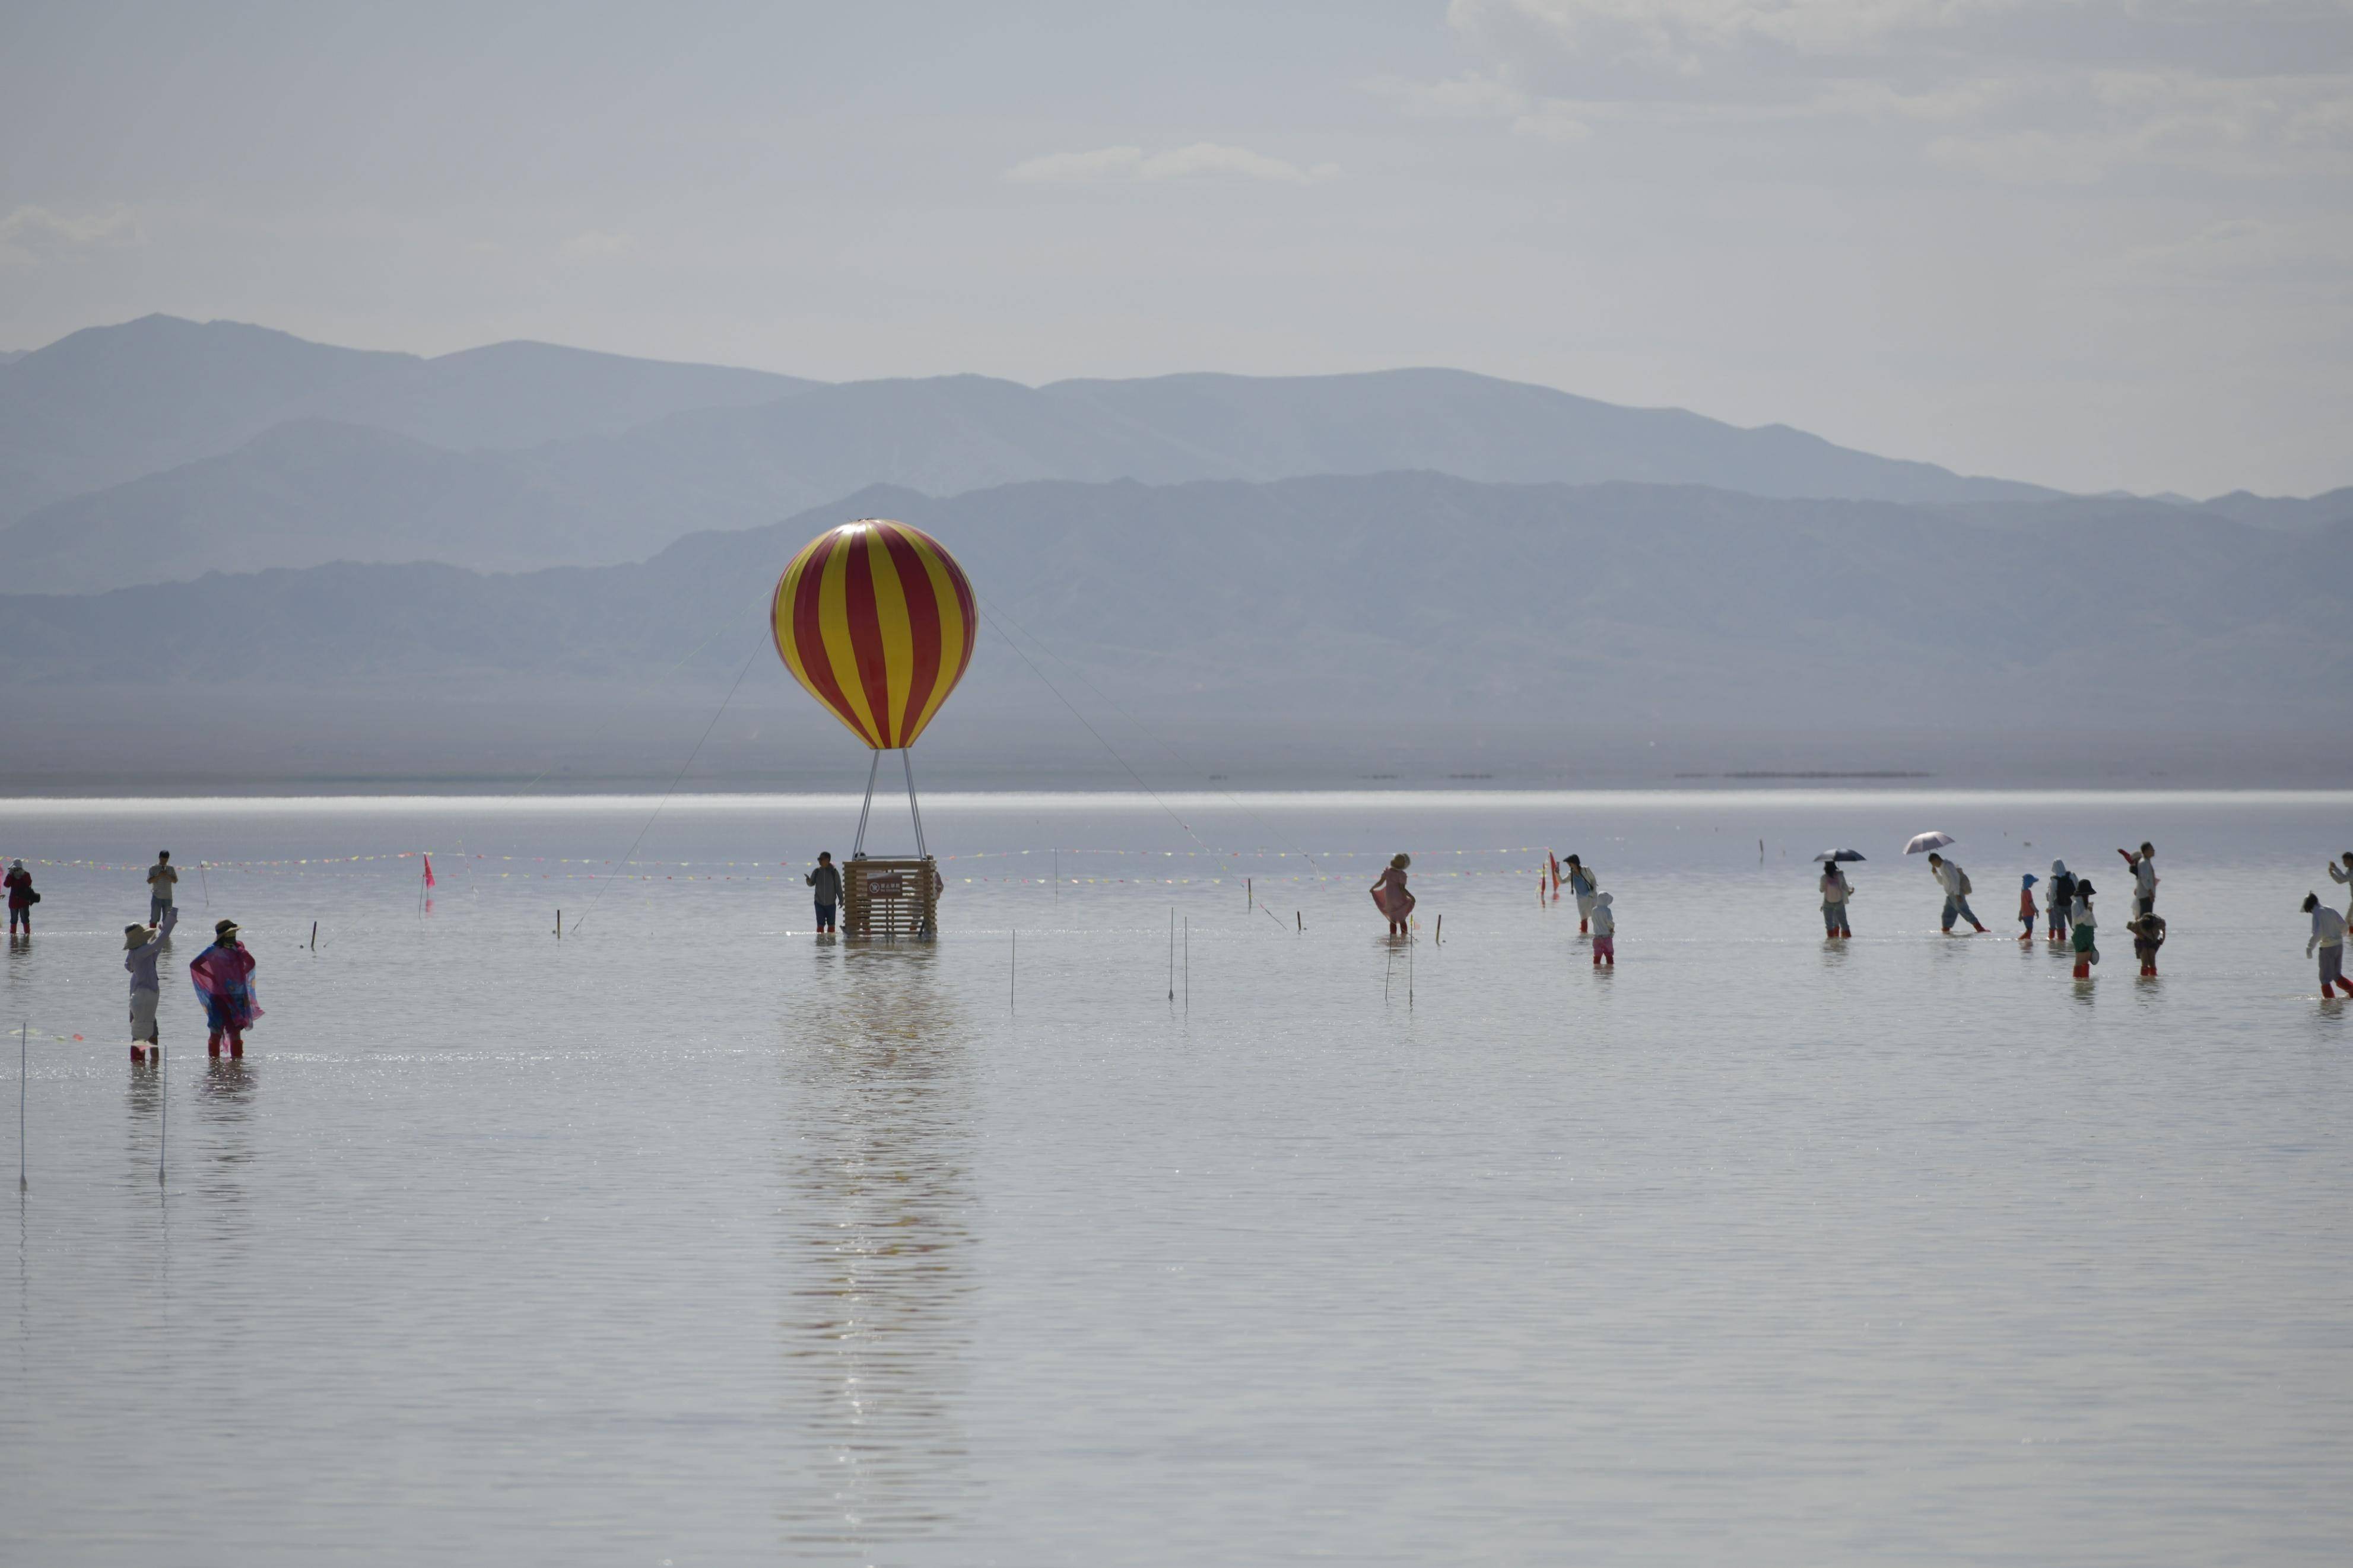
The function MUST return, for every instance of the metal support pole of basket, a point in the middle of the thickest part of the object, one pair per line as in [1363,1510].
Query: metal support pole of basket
[857,848]
[907,761]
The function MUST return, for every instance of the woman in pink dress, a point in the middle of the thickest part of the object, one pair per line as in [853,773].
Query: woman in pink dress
[1390,894]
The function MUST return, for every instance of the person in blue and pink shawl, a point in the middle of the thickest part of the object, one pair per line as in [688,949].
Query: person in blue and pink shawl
[224,977]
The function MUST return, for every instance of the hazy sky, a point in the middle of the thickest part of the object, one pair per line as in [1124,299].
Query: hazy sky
[2094,243]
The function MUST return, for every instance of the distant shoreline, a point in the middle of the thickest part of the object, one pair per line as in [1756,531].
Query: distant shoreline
[1133,800]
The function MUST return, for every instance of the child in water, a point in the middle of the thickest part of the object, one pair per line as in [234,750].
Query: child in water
[1605,932]
[2148,935]
[2026,910]
[2086,935]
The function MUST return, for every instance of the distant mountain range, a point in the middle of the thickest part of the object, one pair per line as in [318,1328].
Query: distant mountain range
[162,448]
[1416,596]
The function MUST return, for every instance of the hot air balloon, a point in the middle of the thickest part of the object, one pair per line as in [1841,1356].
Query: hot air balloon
[877,621]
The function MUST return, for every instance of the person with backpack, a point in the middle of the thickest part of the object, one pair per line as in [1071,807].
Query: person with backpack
[1581,886]
[21,898]
[1955,883]
[2059,896]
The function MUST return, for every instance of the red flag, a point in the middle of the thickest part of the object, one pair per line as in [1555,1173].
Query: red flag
[429,873]
[1555,872]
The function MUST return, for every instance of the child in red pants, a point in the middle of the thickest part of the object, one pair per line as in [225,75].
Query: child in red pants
[1605,932]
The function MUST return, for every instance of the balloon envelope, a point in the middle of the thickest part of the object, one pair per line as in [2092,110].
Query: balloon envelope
[877,620]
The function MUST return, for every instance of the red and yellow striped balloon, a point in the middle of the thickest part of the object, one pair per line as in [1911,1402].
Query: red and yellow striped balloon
[878,621]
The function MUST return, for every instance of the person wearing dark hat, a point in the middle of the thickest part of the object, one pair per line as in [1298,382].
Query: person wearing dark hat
[2086,934]
[21,898]
[224,977]
[141,946]
[825,881]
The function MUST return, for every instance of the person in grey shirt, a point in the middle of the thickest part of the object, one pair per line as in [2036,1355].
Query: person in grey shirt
[161,881]
[825,882]
[141,946]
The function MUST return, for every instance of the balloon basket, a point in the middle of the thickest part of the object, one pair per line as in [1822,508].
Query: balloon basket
[891,900]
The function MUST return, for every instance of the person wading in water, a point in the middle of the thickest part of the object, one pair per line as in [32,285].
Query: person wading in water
[1390,894]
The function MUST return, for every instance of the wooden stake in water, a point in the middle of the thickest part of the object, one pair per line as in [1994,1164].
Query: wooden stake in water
[1408,975]
[1012,969]
[1438,932]
[1172,955]
[1250,892]
[559,925]
[1188,964]
[314,936]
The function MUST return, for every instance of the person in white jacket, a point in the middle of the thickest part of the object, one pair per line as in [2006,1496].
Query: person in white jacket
[1605,932]
[1955,883]
[141,945]
[2328,937]
[2344,877]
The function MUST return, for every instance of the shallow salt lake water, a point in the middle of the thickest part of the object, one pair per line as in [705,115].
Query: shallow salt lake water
[690,1239]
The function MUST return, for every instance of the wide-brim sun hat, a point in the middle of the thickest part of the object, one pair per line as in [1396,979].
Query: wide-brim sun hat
[136,936]
[222,928]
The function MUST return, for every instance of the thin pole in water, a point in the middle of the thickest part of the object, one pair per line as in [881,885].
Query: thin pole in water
[1250,891]
[1012,969]
[1300,920]
[314,936]
[1058,876]
[1388,975]
[24,1056]
[164,1112]
[206,883]
[1172,955]
[1408,975]
[559,925]
[1188,964]
[1438,932]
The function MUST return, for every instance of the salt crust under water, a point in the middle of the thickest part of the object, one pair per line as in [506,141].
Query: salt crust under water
[690,1240]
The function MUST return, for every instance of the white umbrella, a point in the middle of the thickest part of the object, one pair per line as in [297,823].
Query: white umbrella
[1926,841]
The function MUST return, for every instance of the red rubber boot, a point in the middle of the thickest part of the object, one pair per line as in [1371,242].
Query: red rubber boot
[212,1044]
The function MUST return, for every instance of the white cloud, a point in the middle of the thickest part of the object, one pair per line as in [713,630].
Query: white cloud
[1200,160]
[29,233]
[2053,93]
[1474,95]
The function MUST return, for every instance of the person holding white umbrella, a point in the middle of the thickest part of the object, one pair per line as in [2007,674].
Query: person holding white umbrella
[1955,883]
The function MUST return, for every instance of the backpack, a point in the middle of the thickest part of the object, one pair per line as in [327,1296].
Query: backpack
[1966,889]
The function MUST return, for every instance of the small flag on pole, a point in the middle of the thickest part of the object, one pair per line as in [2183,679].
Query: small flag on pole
[429,873]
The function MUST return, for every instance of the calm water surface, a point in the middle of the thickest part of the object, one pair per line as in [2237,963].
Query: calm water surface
[693,1239]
